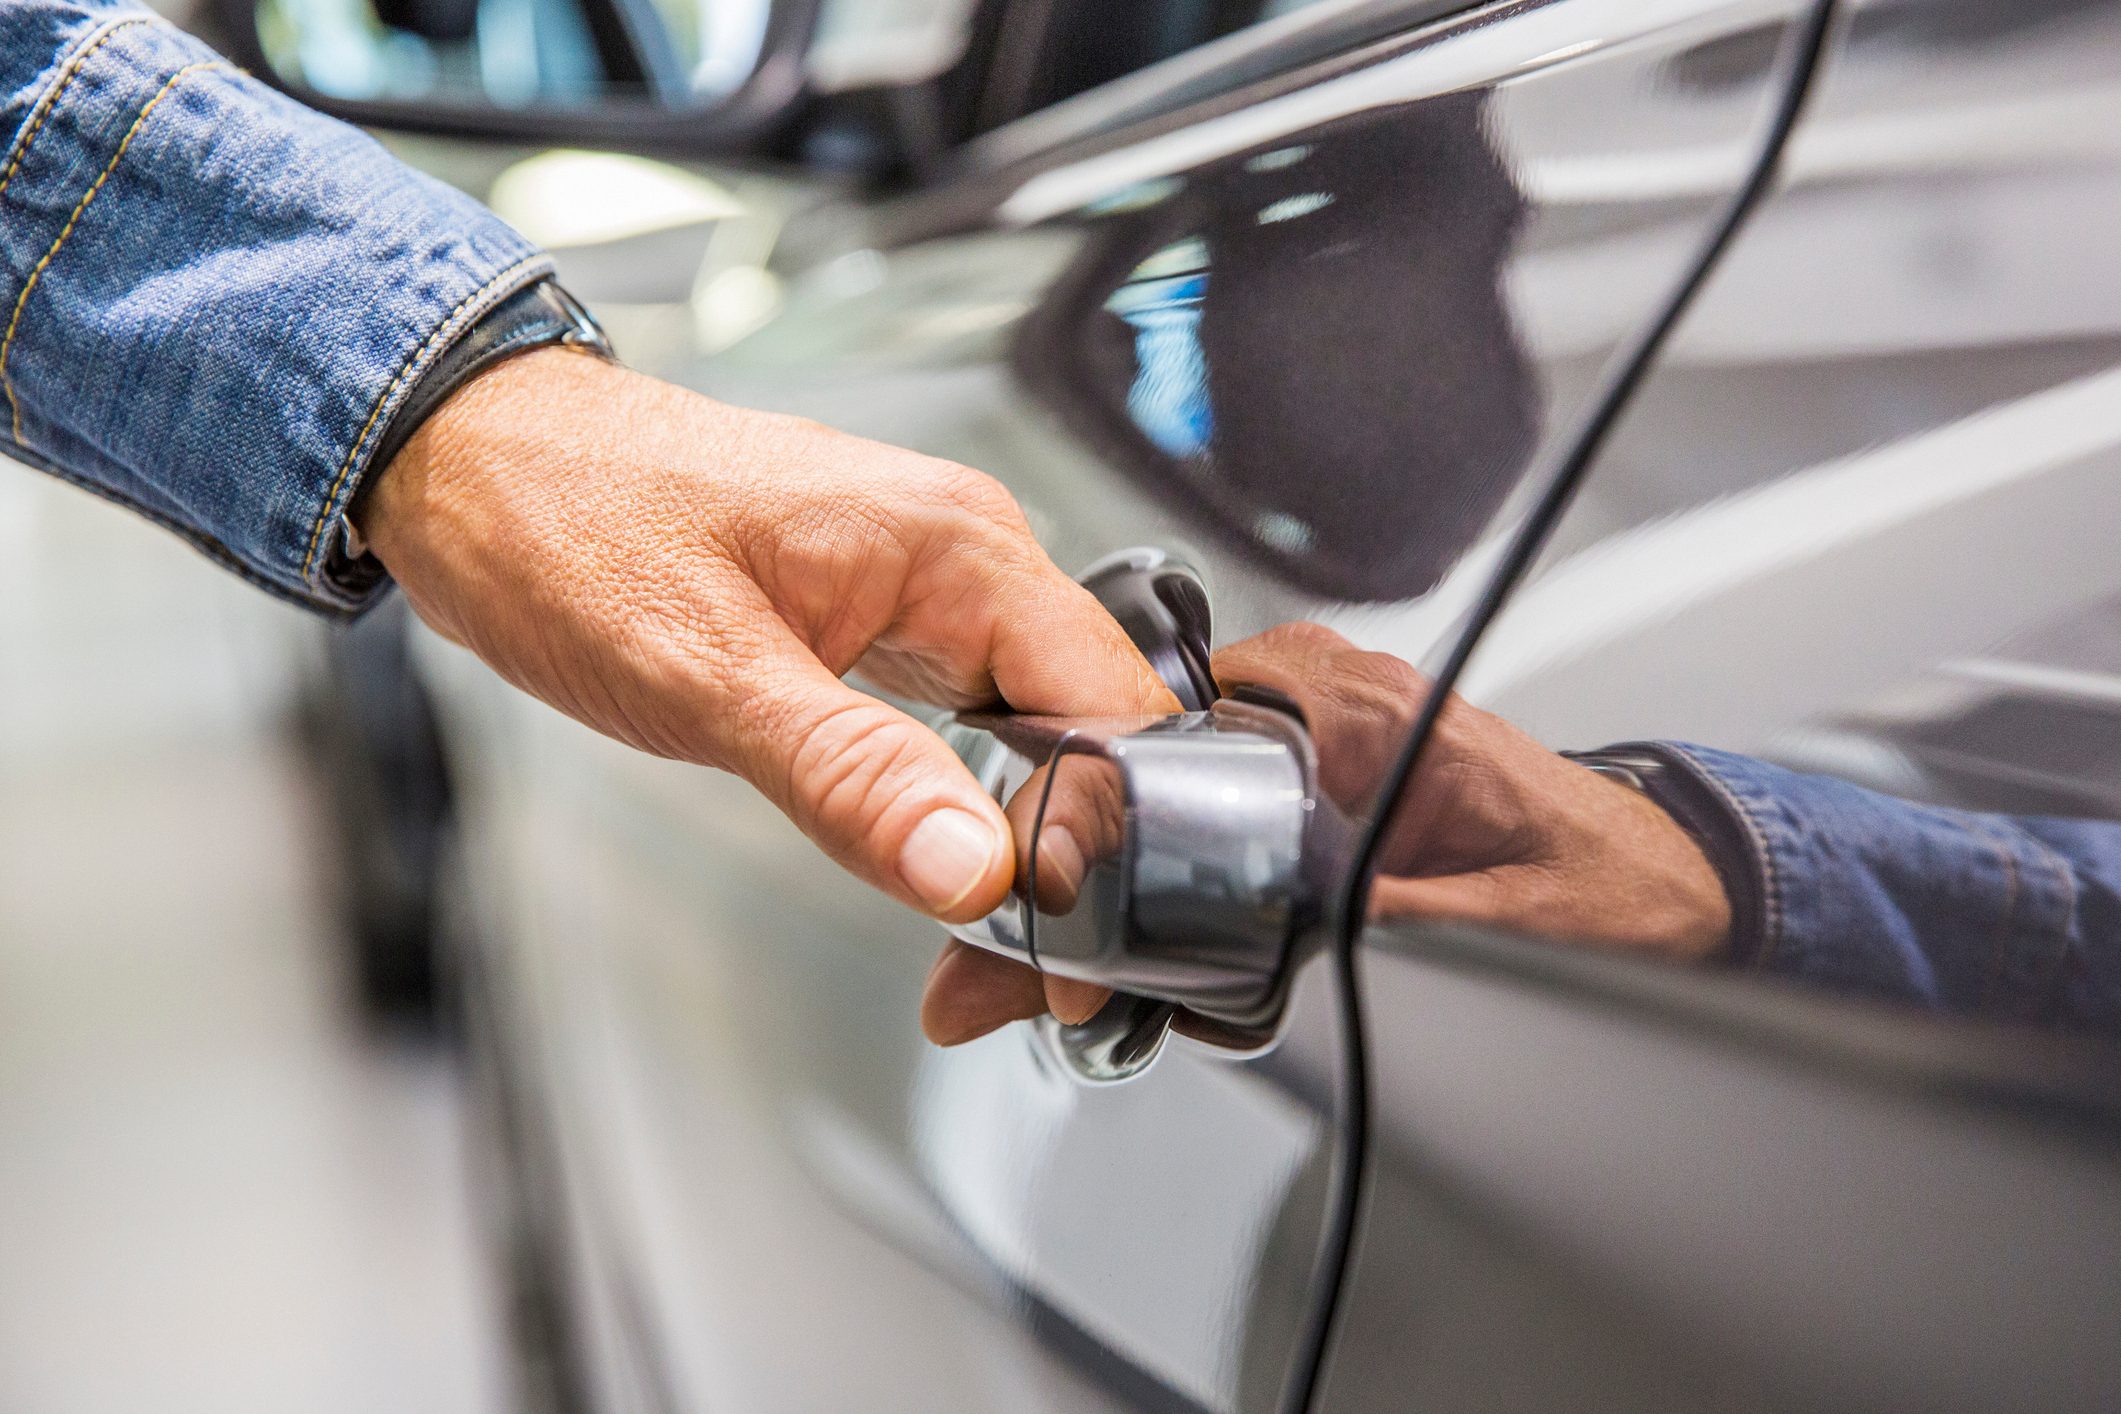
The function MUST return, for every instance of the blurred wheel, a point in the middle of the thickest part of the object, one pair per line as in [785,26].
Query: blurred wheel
[384,796]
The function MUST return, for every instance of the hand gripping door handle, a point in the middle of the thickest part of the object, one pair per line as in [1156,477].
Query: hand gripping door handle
[1176,859]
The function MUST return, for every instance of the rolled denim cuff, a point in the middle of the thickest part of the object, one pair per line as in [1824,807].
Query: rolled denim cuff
[1869,894]
[1702,807]
[215,299]
[539,315]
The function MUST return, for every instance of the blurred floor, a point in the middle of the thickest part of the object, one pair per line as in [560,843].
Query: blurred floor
[214,1195]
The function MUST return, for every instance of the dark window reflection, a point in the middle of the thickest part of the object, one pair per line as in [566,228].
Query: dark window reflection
[511,53]
[1292,340]
[1083,46]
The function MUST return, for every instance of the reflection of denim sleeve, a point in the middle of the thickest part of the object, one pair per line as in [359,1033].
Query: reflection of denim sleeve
[1861,892]
[214,299]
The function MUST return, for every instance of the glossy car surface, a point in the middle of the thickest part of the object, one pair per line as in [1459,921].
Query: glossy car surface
[1739,371]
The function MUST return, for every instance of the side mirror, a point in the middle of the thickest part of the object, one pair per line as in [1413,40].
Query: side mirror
[672,75]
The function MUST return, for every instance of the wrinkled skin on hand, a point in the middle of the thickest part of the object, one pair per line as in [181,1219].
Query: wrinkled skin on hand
[1494,830]
[694,579]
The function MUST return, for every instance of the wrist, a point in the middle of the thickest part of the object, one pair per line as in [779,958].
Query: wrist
[1719,839]
[437,498]
[537,317]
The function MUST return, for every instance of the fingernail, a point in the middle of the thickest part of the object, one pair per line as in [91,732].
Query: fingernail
[1074,1002]
[966,1031]
[947,856]
[1063,856]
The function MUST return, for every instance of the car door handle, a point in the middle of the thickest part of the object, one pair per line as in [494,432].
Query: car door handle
[1163,606]
[1179,858]
[1168,857]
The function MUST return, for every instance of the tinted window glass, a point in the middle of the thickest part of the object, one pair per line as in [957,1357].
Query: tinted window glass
[1093,43]
[507,52]
[514,53]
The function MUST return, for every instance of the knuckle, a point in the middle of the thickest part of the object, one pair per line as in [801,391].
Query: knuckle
[850,765]
[1381,675]
[1285,645]
[976,494]
[1303,633]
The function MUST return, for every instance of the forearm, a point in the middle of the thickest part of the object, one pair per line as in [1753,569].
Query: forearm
[214,301]
[1862,892]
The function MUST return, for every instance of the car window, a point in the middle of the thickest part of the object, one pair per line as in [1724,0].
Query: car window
[515,54]
[1092,44]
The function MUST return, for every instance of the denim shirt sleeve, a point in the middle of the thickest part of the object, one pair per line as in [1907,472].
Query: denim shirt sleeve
[213,299]
[2002,916]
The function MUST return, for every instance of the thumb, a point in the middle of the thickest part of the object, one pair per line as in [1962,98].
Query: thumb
[1477,897]
[878,791]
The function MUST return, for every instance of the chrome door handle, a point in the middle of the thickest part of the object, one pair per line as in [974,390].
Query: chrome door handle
[1177,858]
[1191,862]
[1163,606]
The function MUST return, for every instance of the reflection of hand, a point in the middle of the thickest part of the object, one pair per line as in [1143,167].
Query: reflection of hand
[693,579]
[1085,824]
[971,991]
[1494,829]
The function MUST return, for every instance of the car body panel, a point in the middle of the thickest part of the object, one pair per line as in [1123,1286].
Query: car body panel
[1856,520]
[1409,270]
[1604,1185]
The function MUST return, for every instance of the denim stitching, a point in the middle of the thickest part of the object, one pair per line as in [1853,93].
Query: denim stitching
[7,342]
[1771,903]
[2070,892]
[450,323]
[527,340]
[51,97]
[199,540]
[492,357]
[2005,923]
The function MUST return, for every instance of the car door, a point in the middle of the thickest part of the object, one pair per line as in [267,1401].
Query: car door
[1855,524]
[1321,331]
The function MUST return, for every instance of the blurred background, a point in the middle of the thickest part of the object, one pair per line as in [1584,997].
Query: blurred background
[218,1188]
[233,1136]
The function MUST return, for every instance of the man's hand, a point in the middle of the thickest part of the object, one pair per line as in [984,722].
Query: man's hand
[693,579]
[1494,830]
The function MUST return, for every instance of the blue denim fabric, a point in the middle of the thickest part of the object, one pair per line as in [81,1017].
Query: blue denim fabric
[2010,917]
[214,299]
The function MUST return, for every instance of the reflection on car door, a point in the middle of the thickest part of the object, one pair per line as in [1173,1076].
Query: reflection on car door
[1318,337]
[1856,523]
